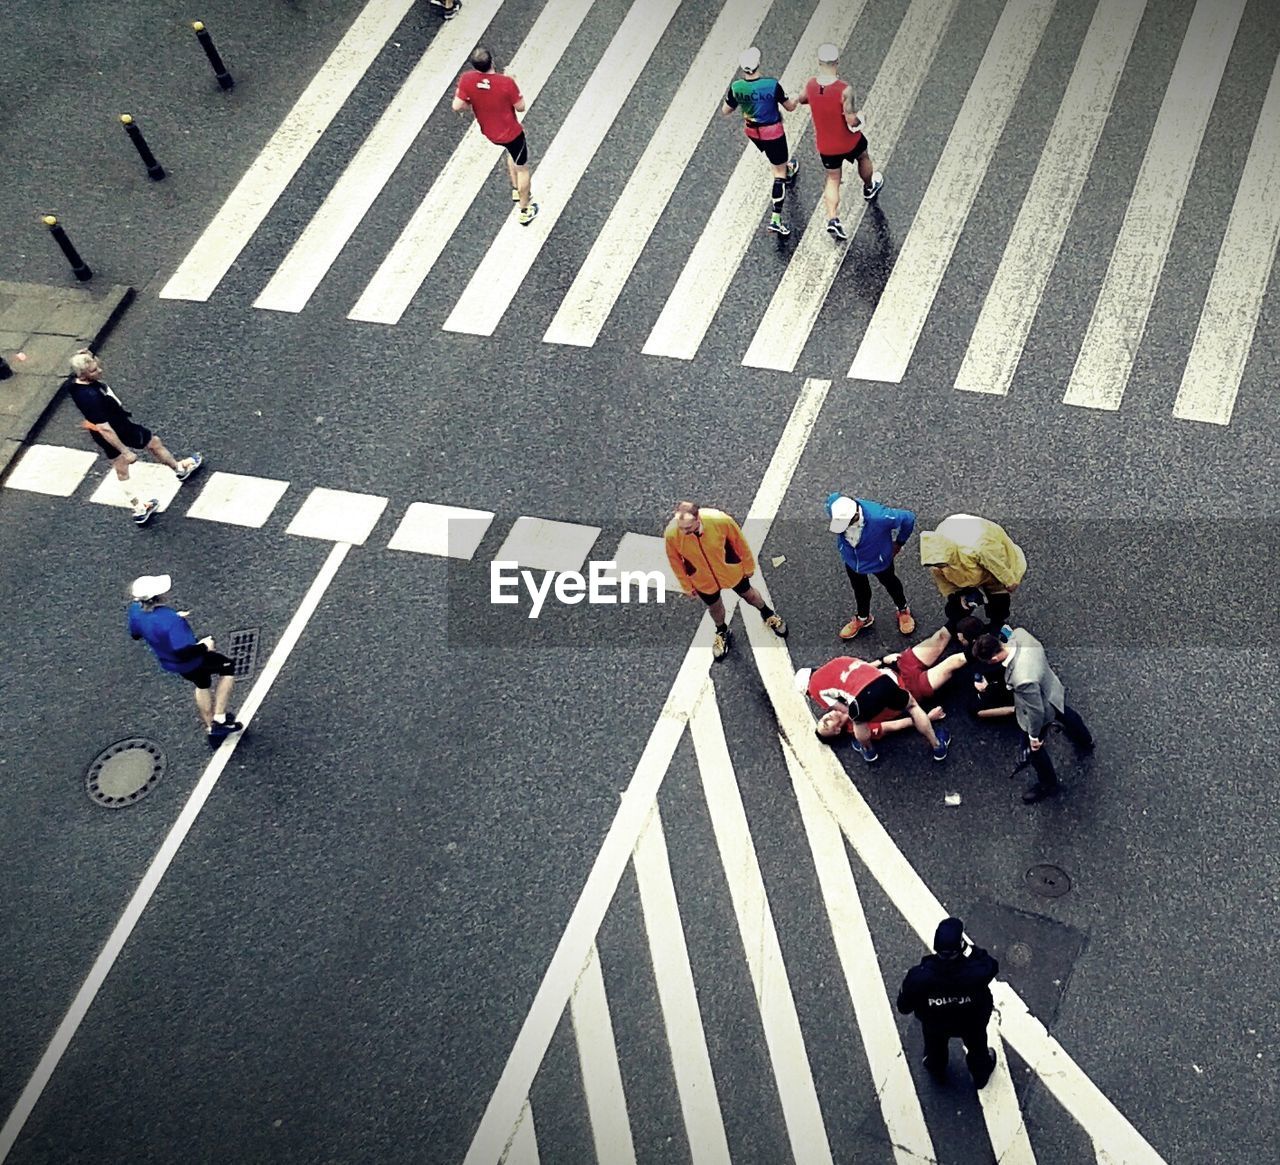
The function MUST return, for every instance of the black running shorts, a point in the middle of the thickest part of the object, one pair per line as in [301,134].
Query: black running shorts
[518,148]
[213,664]
[775,149]
[741,589]
[133,436]
[836,161]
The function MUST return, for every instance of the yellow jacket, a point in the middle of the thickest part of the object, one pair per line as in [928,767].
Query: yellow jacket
[717,559]
[965,551]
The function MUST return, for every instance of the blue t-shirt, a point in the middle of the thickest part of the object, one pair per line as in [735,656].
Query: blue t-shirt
[167,634]
[758,99]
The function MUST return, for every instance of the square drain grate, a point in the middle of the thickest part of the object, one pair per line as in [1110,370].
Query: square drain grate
[244,652]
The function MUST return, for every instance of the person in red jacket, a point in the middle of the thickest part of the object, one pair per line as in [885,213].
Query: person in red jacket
[838,134]
[495,99]
[708,554]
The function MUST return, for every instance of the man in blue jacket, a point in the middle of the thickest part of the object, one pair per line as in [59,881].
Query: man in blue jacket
[870,536]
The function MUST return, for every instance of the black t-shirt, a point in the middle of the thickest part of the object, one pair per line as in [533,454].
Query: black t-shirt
[952,993]
[98,404]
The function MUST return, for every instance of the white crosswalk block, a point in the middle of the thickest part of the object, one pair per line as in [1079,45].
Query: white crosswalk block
[1216,364]
[50,469]
[704,280]
[336,515]
[524,1142]
[600,279]
[238,498]
[646,552]
[895,327]
[382,151]
[799,296]
[1120,313]
[499,274]
[456,187]
[446,531]
[601,1076]
[256,193]
[1015,294]
[148,480]
[543,544]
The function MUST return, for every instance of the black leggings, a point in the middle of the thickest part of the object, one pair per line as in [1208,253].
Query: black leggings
[862,589]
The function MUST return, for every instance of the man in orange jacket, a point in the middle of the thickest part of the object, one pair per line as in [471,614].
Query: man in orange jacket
[708,554]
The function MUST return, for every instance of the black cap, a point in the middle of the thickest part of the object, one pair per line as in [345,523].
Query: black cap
[948,939]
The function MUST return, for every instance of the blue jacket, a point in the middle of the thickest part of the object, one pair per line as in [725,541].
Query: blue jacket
[883,529]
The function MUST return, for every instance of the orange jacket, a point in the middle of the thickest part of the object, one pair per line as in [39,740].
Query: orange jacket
[717,559]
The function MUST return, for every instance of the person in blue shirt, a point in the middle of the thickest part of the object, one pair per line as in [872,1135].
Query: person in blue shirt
[175,645]
[759,97]
[869,537]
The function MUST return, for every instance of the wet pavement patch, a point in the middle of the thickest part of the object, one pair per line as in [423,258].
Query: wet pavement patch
[124,773]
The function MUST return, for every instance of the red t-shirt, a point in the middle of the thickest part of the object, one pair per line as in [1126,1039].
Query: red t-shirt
[493,98]
[830,130]
[848,675]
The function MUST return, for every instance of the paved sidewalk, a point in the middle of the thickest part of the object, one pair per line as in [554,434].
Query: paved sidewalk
[40,327]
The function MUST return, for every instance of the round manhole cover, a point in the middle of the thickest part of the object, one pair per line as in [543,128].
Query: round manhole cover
[1048,881]
[1019,955]
[124,773]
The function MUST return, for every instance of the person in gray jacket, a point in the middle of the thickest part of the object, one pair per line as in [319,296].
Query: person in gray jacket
[1039,700]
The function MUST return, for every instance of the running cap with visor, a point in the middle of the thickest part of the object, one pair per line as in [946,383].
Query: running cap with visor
[151,586]
[750,59]
[843,511]
[828,54]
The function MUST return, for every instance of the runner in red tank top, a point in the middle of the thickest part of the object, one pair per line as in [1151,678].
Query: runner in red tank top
[837,130]
[495,99]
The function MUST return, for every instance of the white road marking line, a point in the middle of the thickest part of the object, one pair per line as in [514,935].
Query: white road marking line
[448,531]
[1006,1126]
[687,314]
[456,187]
[110,952]
[543,544]
[147,479]
[50,469]
[604,273]
[678,996]
[238,499]
[916,903]
[499,274]
[782,333]
[1224,335]
[890,1076]
[1120,314]
[297,277]
[524,1144]
[601,1076]
[783,1036]
[1015,294]
[337,515]
[504,1107]
[895,327]
[256,193]
[646,552]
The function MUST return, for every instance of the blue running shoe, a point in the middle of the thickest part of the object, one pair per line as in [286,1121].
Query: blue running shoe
[866,751]
[944,742]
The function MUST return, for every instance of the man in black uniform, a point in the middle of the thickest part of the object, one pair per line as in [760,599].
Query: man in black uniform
[948,992]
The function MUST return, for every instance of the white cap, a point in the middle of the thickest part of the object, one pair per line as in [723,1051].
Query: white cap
[802,679]
[828,54]
[843,510]
[750,59]
[151,586]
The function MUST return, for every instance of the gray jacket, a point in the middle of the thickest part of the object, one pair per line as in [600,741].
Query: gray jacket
[1037,691]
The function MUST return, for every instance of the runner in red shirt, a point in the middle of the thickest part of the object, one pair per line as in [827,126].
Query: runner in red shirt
[495,99]
[838,133]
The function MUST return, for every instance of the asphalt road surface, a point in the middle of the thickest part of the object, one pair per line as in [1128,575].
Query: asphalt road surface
[415,914]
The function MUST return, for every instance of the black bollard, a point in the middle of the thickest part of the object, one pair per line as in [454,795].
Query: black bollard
[79,268]
[154,169]
[206,43]
[5,370]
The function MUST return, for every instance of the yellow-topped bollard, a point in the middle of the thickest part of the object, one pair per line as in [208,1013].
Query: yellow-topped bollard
[155,171]
[206,43]
[79,268]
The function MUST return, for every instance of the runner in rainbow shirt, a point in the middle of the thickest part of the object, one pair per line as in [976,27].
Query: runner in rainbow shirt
[759,98]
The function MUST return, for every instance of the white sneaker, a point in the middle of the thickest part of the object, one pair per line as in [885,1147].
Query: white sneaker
[877,180]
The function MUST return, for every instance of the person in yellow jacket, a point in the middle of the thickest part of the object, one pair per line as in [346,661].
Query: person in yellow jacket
[973,554]
[708,554]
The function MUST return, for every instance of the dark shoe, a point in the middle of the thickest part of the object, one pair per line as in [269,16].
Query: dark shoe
[981,1081]
[720,644]
[1038,792]
[944,743]
[777,625]
[143,516]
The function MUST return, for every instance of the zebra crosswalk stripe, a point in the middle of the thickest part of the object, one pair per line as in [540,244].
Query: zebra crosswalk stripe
[600,280]
[463,176]
[381,152]
[500,273]
[256,193]
[891,337]
[1216,364]
[998,338]
[704,280]
[1120,313]
[800,294]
